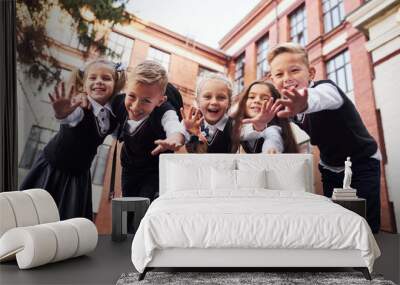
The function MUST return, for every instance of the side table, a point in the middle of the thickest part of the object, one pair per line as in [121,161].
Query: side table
[357,205]
[120,208]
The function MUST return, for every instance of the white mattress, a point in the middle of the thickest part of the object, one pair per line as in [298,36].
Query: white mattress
[252,218]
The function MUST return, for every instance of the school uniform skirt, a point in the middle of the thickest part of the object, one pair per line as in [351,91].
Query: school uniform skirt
[72,192]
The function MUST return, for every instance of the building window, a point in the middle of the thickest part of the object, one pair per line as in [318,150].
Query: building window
[37,140]
[338,70]
[121,46]
[298,26]
[239,74]
[262,63]
[160,56]
[203,70]
[99,164]
[333,11]
[74,39]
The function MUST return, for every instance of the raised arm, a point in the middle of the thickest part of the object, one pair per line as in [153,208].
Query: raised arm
[273,141]
[173,129]
[267,113]
[325,96]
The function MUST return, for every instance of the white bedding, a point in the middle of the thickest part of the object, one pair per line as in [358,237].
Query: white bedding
[251,218]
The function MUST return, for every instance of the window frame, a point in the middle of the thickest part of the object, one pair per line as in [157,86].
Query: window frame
[327,14]
[127,47]
[294,23]
[240,63]
[203,69]
[165,64]
[339,65]
[261,58]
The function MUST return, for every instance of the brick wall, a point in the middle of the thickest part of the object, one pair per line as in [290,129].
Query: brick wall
[362,70]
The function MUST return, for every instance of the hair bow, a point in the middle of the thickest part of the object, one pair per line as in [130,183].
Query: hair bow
[81,71]
[119,66]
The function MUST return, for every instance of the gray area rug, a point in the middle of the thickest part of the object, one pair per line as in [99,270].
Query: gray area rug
[229,278]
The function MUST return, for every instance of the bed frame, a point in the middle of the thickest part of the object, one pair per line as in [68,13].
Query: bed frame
[243,259]
[250,258]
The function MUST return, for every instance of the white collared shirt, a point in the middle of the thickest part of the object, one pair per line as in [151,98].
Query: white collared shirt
[133,125]
[248,133]
[273,139]
[272,136]
[102,113]
[326,96]
[220,125]
[169,121]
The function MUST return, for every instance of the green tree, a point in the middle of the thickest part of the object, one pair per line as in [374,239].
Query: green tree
[33,44]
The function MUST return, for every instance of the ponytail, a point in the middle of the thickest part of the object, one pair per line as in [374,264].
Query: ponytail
[76,80]
[120,79]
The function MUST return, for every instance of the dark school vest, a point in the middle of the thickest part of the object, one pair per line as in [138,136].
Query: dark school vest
[253,148]
[73,148]
[257,146]
[221,141]
[339,133]
[137,147]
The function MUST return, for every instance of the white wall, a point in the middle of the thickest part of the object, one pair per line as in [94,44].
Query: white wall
[387,86]
[384,40]
[380,20]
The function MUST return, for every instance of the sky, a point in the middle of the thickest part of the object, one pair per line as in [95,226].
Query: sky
[205,21]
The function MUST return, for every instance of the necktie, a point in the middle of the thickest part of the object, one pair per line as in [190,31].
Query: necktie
[205,131]
[103,122]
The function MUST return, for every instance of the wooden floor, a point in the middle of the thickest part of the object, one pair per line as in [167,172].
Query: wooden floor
[111,259]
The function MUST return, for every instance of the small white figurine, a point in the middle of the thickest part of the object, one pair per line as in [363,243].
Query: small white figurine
[347,174]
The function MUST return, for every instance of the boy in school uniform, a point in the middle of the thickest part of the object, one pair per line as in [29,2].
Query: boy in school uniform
[150,125]
[333,123]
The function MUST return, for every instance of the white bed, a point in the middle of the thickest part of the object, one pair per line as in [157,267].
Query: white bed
[239,210]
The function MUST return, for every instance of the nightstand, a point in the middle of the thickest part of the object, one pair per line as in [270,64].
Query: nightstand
[357,205]
[120,207]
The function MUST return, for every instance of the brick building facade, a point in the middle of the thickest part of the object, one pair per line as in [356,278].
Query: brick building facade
[335,48]
[183,58]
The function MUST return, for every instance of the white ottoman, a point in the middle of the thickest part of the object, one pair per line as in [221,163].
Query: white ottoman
[31,232]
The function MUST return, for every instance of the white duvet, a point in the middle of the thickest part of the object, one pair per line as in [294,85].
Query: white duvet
[253,218]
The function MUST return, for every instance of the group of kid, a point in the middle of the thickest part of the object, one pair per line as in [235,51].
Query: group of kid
[146,119]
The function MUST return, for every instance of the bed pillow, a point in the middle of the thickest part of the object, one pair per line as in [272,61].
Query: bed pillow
[281,174]
[223,179]
[293,179]
[251,178]
[226,179]
[184,175]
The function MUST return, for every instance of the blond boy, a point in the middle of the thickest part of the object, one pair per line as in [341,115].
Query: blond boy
[333,123]
[150,125]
